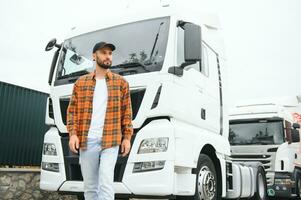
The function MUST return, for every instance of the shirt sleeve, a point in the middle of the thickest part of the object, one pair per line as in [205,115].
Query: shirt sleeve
[126,113]
[72,112]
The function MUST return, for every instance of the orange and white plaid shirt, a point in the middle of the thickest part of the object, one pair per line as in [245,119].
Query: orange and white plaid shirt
[118,119]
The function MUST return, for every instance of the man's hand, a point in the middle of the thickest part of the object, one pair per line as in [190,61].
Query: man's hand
[74,143]
[125,147]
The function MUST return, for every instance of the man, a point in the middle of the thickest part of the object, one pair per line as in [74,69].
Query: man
[99,119]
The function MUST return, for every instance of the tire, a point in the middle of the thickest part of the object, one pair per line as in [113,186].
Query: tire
[261,185]
[205,173]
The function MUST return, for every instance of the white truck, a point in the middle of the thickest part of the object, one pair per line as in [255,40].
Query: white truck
[265,130]
[172,60]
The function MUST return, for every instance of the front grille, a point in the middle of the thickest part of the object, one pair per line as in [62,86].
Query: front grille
[266,160]
[64,105]
[136,100]
[50,109]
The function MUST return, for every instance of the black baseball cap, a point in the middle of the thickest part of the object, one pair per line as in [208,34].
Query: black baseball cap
[100,45]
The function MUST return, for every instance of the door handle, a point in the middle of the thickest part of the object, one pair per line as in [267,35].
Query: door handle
[203,113]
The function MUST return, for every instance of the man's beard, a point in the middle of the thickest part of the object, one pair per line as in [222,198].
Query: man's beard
[102,64]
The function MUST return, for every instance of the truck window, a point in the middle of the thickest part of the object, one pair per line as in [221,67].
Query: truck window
[256,133]
[180,54]
[137,50]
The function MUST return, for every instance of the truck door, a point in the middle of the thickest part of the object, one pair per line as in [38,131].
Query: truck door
[194,84]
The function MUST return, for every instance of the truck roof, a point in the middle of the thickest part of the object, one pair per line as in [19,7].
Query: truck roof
[209,22]
[132,15]
[281,107]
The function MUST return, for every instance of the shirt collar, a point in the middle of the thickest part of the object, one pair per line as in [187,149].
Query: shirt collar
[107,75]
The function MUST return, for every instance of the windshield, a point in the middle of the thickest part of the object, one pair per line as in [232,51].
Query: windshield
[258,132]
[140,48]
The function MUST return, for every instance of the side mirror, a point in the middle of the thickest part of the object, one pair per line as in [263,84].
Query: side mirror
[192,43]
[296,125]
[52,43]
[295,135]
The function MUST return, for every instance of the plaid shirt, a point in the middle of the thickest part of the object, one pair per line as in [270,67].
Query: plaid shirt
[118,119]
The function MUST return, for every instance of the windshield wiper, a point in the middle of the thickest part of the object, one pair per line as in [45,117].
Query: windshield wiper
[155,43]
[75,74]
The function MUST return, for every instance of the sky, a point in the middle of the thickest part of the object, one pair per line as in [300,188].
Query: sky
[262,39]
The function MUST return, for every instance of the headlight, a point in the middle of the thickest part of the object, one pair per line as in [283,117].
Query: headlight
[152,145]
[54,167]
[49,149]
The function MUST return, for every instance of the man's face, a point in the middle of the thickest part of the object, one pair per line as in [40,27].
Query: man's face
[103,57]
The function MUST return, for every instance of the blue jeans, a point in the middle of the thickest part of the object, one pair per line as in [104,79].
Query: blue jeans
[97,166]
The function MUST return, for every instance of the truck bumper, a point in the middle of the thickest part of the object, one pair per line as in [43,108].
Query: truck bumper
[167,181]
[284,186]
[164,183]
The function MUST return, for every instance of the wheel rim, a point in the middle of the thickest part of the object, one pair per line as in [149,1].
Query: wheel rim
[206,183]
[261,186]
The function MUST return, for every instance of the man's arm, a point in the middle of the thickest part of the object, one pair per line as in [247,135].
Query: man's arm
[126,113]
[72,112]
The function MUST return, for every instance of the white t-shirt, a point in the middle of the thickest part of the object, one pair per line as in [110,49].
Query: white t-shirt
[100,98]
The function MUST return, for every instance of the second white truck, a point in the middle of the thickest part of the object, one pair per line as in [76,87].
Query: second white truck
[265,130]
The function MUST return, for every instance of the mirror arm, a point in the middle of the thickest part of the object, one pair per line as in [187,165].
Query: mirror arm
[59,46]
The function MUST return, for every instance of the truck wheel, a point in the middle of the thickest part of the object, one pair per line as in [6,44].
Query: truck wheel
[261,185]
[206,182]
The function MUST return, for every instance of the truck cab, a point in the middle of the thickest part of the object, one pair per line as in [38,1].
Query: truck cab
[266,131]
[173,60]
